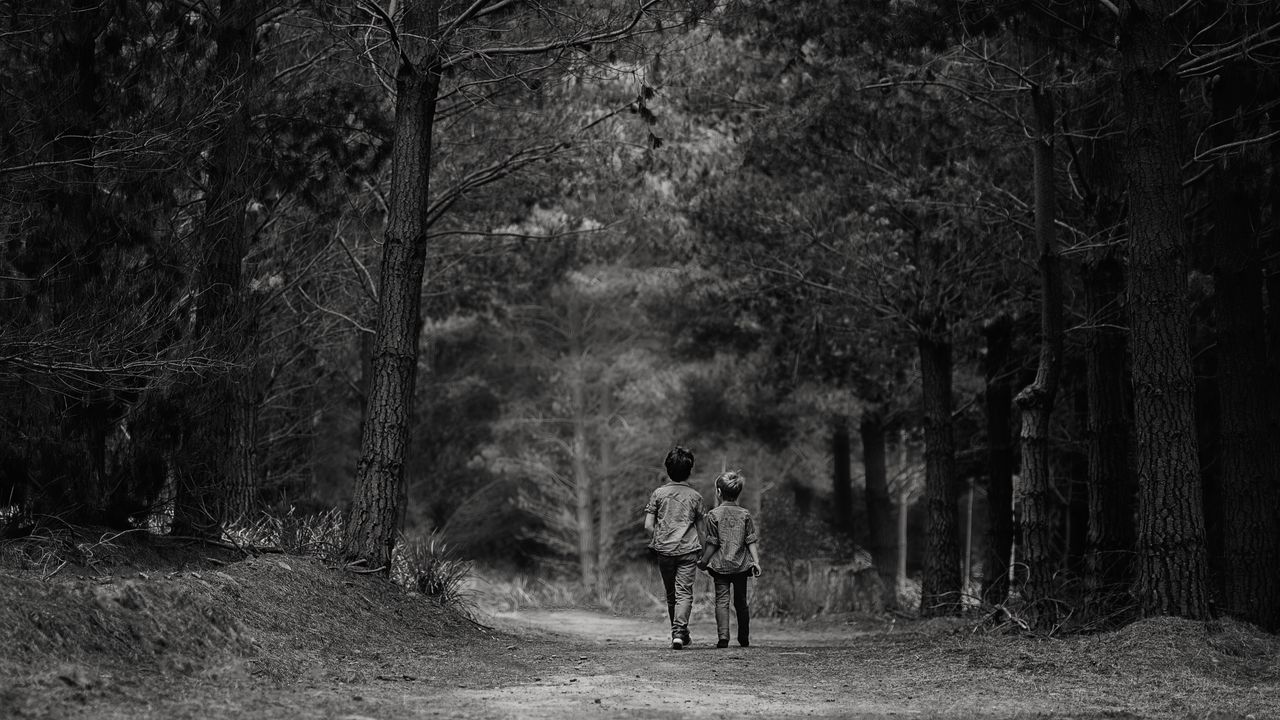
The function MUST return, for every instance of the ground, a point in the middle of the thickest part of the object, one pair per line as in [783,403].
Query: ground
[290,637]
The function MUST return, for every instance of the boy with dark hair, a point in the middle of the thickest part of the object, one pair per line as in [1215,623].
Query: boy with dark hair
[673,518]
[730,557]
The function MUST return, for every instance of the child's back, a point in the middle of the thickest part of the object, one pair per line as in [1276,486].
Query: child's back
[733,530]
[730,556]
[674,517]
[676,508]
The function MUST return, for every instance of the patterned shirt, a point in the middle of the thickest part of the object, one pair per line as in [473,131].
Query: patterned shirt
[730,527]
[677,509]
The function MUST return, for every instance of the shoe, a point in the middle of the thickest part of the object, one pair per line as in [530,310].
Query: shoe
[687,639]
[677,642]
[744,643]
[722,643]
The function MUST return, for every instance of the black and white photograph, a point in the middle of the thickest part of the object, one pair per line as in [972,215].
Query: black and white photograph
[653,359]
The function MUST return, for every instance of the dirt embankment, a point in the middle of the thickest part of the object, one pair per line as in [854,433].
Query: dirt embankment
[287,637]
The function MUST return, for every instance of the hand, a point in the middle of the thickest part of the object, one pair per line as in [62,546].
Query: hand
[754,570]
[702,564]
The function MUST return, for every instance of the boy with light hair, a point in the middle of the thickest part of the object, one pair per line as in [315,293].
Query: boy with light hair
[730,556]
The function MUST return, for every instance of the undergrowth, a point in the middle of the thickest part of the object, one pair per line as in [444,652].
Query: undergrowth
[428,565]
[421,564]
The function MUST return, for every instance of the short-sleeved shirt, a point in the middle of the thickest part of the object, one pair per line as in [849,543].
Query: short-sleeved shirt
[730,527]
[677,509]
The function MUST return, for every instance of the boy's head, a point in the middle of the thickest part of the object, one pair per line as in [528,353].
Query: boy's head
[729,485]
[679,464]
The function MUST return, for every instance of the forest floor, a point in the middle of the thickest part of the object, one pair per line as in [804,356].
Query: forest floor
[289,637]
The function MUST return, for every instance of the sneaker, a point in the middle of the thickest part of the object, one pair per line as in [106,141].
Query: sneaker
[744,643]
[677,642]
[722,643]
[687,639]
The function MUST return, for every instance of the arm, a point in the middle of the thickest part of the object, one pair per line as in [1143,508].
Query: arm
[649,520]
[709,536]
[708,549]
[755,558]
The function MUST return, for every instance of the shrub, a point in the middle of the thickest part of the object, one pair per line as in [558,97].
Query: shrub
[429,566]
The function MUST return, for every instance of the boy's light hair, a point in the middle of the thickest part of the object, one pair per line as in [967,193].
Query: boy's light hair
[730,484]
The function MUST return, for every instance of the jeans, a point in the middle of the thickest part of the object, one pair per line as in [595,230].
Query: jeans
[677,579]
[738,583]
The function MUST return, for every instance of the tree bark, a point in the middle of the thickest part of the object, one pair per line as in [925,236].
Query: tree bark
[218,480]
[881,541]
[371,528]
[841,478]
[584,492]
[1037,400]
[1249,461]
[941,585]
[1111,483]
[999,407]
[904,508]
[1171,538]
[605,493]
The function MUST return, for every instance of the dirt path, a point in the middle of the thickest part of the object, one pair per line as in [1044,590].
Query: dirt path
[583,664]
[580,664]
[624,666]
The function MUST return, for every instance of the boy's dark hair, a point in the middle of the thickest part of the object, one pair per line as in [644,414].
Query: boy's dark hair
[730,484]
[679,464]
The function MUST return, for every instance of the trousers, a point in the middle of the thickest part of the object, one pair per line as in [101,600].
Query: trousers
[737,583]
[677,579]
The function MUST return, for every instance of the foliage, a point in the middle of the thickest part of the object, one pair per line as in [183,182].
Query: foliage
[428,565]
[294,533]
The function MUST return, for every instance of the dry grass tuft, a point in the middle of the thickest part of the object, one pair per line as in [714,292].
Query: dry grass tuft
[318,535]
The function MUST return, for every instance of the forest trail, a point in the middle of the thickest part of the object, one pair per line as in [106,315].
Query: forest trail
[591,664]
[584,664]
[291,639]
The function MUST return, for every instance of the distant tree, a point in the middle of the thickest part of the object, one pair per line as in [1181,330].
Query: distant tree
[1037,399]
[998,396]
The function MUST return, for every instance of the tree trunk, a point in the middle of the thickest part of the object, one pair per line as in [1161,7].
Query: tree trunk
[880,525]
[999,401]
[370,532]
[85,420]
[1037,399]
[841,478]
[1109,566]
[242,490]
[605,495]
[940,588]
[218,481]
[1249,462]
[1171,539]
[582,484]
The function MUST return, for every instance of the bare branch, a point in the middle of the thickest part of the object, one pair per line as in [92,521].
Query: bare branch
[341,316]
[466,15]
[604,36]
[366,279]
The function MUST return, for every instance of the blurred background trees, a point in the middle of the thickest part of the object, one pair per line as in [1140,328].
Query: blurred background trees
[827,244]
